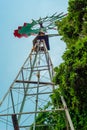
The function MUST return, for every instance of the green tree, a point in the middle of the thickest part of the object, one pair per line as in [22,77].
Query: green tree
[72,79]
[74,25]
[71,75]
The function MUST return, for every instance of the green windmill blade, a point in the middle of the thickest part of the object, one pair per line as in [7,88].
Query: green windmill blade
[36,26]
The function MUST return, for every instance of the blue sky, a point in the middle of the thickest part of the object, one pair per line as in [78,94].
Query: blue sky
[14,51]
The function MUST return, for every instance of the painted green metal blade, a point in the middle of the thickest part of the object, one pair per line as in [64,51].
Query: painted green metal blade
[45,24]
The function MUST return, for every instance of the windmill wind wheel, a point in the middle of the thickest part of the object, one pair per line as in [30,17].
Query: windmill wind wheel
[36,26]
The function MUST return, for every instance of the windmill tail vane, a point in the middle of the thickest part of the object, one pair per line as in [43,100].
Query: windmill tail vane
[32,28]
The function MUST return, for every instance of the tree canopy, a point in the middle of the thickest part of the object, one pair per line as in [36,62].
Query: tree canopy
[71,75]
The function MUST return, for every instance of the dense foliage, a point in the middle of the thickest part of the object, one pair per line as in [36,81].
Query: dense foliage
[72,79]
[71,75]
[74,25]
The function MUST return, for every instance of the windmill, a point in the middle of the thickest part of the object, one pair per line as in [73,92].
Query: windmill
[29,94]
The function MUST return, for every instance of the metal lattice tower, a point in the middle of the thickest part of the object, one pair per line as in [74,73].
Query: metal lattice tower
[30,92]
